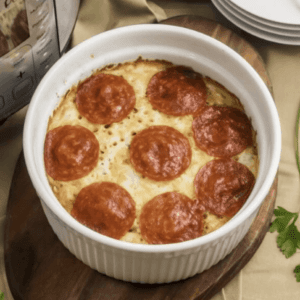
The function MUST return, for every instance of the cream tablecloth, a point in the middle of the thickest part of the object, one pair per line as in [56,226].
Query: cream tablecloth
[268,275]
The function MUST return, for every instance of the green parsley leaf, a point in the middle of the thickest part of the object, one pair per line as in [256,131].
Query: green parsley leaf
[288,239]
[297,272]
[284,217]
[1,296]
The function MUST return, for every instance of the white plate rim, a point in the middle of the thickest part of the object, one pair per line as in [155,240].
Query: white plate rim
[263,22]
[270,17]
[255,31]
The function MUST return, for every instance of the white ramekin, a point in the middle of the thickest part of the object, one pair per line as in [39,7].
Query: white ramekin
[153,263]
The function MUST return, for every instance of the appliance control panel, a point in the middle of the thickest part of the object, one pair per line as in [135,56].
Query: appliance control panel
[29,46]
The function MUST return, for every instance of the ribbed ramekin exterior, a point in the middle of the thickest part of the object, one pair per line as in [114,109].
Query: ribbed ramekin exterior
[140,266]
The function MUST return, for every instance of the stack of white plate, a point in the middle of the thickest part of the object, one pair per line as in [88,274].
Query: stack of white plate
[273,20]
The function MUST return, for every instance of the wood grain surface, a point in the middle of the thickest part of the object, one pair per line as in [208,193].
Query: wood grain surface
[39,267]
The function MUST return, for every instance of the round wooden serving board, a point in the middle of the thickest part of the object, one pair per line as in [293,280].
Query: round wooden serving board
[38,266]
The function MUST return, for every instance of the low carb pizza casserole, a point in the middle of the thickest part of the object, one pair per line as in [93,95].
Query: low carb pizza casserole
[146,151]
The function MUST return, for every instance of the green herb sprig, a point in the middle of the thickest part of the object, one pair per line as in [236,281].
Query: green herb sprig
[297,272]
[288,239]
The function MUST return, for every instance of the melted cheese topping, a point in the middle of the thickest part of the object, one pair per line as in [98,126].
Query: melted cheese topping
[114,159]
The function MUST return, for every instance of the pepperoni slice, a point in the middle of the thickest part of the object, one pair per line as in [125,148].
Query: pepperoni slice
[177,91]
[223,186]
[222,131]
[105,99]
[71,152]
[160,153]
[106,208]
[171,218]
